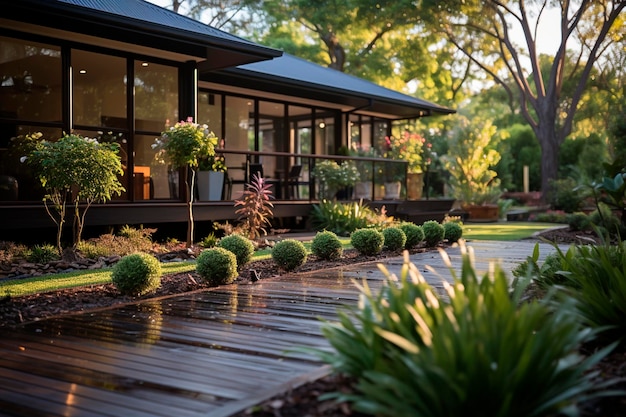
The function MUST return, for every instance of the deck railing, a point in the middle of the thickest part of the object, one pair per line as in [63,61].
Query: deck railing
[302,184]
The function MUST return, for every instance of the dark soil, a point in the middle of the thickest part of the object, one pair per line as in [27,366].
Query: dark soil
[302,401]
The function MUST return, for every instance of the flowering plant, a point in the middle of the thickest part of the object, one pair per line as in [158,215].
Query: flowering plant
[408,147]
[333,177]
[186,144]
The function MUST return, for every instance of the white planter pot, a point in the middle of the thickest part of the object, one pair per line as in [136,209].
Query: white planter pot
[363,190]
[210,185]
[392,190]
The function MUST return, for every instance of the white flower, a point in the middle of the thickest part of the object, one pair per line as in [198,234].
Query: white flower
[23,159]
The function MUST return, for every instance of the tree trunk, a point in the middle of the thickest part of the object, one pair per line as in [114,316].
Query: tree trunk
[550,144]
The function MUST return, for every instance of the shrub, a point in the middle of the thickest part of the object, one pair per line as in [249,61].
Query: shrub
[452,231]
[217,266]
[137,274]
[579,221]
[241,246]
[367,241]
[552,270]
[255,208]
[42,254]
[394,238]
[565,195]
[209,241]
[289,254]
[606,221]
[326,245]
[93,250]
[414,353]
[414,234]
[341,218]
[551,216]
[433,232]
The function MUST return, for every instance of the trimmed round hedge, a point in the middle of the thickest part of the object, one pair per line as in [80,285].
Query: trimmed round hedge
[452,231]
[241,246]
[433,232]
[217,266]
[289,254]
[137,274]
[367,241]
[394,238]
[414,234]
[326,245]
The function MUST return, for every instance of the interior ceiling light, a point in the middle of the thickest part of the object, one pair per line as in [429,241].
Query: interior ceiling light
[83,71]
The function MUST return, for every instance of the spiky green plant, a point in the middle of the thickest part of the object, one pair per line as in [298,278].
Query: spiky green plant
[474,350]
[255,208]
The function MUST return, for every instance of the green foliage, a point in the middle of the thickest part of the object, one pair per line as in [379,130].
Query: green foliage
[75,169]
[550,216]
[470,160]
[367,241]
[217,266]
[255,209]
[394,238]
[520,149]
[607,222]
[289,254]
[579,221]
[186,144]
[333,176]
[341,218]
[552,270]
[414,234]
[209,241]
[326,245]
[137,274]
[452,231]
[241,246]
[43,254]
[415,353]
[129,240]
[433,232]
[565,195]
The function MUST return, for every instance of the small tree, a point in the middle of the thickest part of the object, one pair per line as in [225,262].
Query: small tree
[255,209]
[185,145]
[75,169]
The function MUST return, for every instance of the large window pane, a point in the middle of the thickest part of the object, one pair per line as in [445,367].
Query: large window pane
[210,111]
[30,81]
[153,175]
[99,89]
[156,96]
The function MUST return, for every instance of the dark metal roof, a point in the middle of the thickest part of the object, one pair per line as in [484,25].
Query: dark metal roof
[141,23]
[298,77]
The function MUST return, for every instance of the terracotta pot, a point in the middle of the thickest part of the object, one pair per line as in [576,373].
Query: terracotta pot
[414,185]
[483,212]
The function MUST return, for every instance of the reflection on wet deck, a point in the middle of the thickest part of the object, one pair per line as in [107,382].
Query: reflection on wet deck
[209,353]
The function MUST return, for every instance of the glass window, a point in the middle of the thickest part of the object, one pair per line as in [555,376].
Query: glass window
[210,111]
[238,113]
[153,175]
[30,81]
[99,89]
[15,173]
[156,96]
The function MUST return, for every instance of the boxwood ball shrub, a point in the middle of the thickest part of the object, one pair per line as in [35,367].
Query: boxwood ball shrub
[289,254]
[452,231]
[137,274]
[367,241]
[433,232]
[241,246]
[414,234]
[217,266]
[326,245]
[394,238]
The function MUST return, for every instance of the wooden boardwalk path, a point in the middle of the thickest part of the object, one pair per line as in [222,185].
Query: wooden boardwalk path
[210,353]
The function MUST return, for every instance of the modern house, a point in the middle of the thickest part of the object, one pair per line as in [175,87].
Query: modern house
[123,70]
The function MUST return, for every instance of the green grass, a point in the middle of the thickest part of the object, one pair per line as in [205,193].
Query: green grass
[503,231]
[53,282]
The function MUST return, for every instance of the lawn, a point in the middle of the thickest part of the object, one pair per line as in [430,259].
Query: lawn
[504,231]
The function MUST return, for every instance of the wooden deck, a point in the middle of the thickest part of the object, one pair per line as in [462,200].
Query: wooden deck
[210,353]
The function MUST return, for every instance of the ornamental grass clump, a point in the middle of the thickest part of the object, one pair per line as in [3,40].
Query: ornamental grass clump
[326,245]
[473,351]
[137,274]
[241,246]
[394,238]
[433,233]
[414,234]
[289,254]
[367,241]
[217,266]
[452,231]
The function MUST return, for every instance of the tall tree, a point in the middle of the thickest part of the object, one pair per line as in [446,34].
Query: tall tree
[483,31]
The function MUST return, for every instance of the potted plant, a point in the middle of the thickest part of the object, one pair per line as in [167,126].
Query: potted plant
[473,183]
[211,173]
[334,177]
[363,187]
[184,145]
